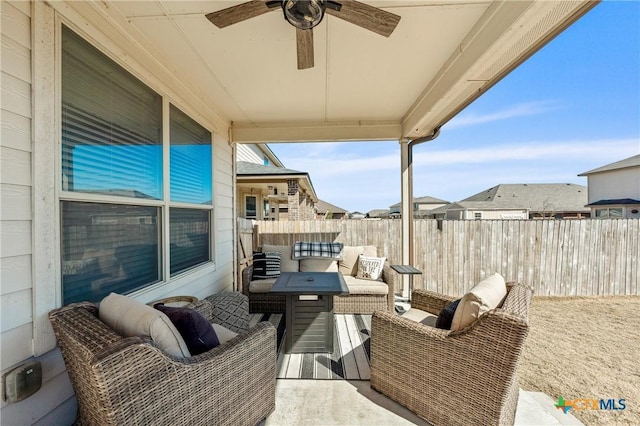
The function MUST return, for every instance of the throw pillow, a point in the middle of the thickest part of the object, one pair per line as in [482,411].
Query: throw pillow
[266,265]
[486,295]
[370,268]
[130,318]
[446,315]
[196,331]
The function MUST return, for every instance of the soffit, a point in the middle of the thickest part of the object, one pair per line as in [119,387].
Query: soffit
[364,86]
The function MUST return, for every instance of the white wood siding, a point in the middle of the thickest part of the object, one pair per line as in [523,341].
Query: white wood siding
[28,171]
[15,184]
[249,153]
[614,184]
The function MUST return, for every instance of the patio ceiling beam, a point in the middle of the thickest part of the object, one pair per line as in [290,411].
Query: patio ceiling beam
[316,131]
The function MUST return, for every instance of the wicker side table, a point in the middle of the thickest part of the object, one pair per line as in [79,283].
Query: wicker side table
[175,301]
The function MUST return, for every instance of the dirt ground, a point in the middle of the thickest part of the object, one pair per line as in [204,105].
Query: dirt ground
[586,348]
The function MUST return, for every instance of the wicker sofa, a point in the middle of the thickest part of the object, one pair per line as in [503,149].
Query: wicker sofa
[130,380]
[365,296]
[462,377]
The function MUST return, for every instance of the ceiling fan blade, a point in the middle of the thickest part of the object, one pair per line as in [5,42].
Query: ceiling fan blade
[304,44]
[371,18]
[242,12]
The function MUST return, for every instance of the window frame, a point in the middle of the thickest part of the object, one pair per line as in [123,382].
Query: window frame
[164,205]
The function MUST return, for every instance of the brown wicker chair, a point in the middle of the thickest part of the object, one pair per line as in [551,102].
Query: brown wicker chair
[121,381]
[464,377]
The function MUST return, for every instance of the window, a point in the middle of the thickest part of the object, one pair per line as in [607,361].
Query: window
[113,203]
[609,213]
[477,215]
[250,206]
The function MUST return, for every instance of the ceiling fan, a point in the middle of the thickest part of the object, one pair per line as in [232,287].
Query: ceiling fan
[306,14]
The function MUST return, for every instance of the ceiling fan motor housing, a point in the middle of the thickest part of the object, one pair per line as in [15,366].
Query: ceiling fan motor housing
[304,14]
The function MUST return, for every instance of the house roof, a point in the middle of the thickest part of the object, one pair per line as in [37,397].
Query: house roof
[423,200]
[538,197]
[324,207]
[617,202]
[378,212]
[633,161]
[243,81]
[245,168]
[253,172]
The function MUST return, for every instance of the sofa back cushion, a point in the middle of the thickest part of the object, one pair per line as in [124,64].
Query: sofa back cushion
[349,263]
[130,318]
[287,264]
[486,295]
[318,265]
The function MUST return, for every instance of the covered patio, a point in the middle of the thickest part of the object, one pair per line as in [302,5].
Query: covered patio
[239,84]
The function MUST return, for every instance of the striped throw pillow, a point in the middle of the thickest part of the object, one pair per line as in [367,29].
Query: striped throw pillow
[266,265]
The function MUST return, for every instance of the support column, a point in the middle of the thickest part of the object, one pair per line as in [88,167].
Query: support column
[406,211]
[293,199]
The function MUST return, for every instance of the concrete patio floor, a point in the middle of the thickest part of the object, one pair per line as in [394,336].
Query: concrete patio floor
[343,402]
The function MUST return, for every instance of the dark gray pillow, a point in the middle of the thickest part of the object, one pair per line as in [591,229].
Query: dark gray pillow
[196,331]
[446,315]
[266,265]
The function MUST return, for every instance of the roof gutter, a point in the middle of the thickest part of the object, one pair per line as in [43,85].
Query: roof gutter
[406,154]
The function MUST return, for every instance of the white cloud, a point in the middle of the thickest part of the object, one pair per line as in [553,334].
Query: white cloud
[363,176]
[583,150]
[519,110]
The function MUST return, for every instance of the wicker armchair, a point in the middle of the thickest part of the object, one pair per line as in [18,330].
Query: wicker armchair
[464,377]
[121,381]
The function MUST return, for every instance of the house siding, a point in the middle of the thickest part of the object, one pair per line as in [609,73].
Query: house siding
[29,273]
[15,184]
[614,184]
[250,154]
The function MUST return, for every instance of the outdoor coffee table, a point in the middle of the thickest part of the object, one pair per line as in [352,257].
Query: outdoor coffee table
[309,311]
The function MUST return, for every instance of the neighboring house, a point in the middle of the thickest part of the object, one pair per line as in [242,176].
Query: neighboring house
[523,201]
[614,189]
[274,193]
[378,213]
[357,215]
[421,206]
[326,210]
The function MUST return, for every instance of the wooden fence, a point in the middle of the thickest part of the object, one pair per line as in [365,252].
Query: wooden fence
[555,257]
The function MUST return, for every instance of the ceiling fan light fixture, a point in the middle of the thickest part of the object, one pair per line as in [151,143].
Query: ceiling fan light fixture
[303,14]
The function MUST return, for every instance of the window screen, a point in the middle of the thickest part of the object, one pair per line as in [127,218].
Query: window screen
[107,247]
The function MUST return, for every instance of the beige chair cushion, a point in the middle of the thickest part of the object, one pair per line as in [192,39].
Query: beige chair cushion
[224,334]
[420,316]
[360,286]
[286,263]
[486,295]
[131,318]
[318,265]
[261,286]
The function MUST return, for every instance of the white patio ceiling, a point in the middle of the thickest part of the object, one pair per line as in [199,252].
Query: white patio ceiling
[442,55]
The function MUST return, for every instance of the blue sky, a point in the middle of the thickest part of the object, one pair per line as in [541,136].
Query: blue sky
[572,107]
